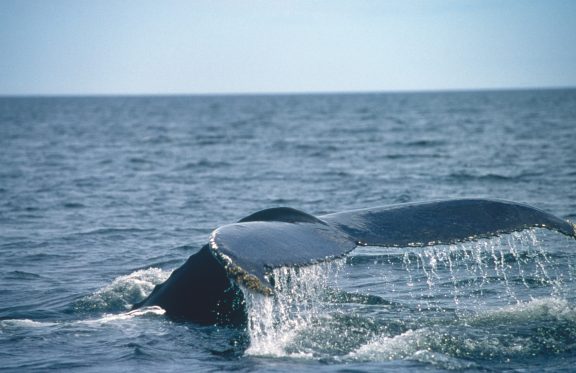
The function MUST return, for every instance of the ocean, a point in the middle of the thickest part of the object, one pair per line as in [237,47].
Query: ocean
[102,197]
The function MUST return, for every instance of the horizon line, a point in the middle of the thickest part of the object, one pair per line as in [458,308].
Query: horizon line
[290,93]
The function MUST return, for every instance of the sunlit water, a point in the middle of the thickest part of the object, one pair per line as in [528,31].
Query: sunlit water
[496,300]
[101,198]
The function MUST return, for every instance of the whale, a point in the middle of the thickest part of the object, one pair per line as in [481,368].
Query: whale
[208,287]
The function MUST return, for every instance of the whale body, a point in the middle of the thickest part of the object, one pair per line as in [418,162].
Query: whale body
[206,288]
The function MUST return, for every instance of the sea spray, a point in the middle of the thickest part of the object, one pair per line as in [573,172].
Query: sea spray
[123,292]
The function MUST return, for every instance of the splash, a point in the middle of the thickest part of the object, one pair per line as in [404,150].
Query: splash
[275,322]
[123,292]
[527,329]
[500,299]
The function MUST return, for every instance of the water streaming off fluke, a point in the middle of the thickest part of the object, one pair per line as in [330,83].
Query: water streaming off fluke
[444,303]
[274,322]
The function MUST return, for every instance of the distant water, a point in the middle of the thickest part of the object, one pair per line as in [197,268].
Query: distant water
[101,198]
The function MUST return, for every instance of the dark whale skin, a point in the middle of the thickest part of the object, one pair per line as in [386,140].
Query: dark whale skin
[206,289]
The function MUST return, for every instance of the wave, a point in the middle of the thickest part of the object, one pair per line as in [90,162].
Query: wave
[425,143]
[419,345]
[13,326]
[21,275]
[202,164]
[550,309]
[123,292]
[542,327]
[492,176]
[112,231]
[539,327]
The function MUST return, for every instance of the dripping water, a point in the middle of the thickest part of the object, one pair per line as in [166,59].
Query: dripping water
[275,321]
[407,296]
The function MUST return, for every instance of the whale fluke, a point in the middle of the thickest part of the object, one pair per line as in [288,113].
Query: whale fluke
[205,289]
[250,249]
[442,222]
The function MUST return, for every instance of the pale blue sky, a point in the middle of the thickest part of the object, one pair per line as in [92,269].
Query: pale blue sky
[219,46]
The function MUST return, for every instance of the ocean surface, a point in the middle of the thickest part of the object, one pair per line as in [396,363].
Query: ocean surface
[102,197]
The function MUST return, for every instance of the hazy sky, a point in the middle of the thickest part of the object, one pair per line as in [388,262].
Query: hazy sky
[219,46]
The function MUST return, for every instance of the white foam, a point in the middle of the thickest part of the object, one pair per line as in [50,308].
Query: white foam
[24,323]
[442,345]
[107,318]
[15,324]
[536,309]
[419,345]
[124,291]
[401,346]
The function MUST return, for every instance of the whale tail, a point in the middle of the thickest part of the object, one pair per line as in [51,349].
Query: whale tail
[443,222]
[205,289]
[199,291]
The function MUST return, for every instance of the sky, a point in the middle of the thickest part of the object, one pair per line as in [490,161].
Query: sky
[93,47]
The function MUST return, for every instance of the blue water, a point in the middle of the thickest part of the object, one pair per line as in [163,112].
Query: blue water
[102,197]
